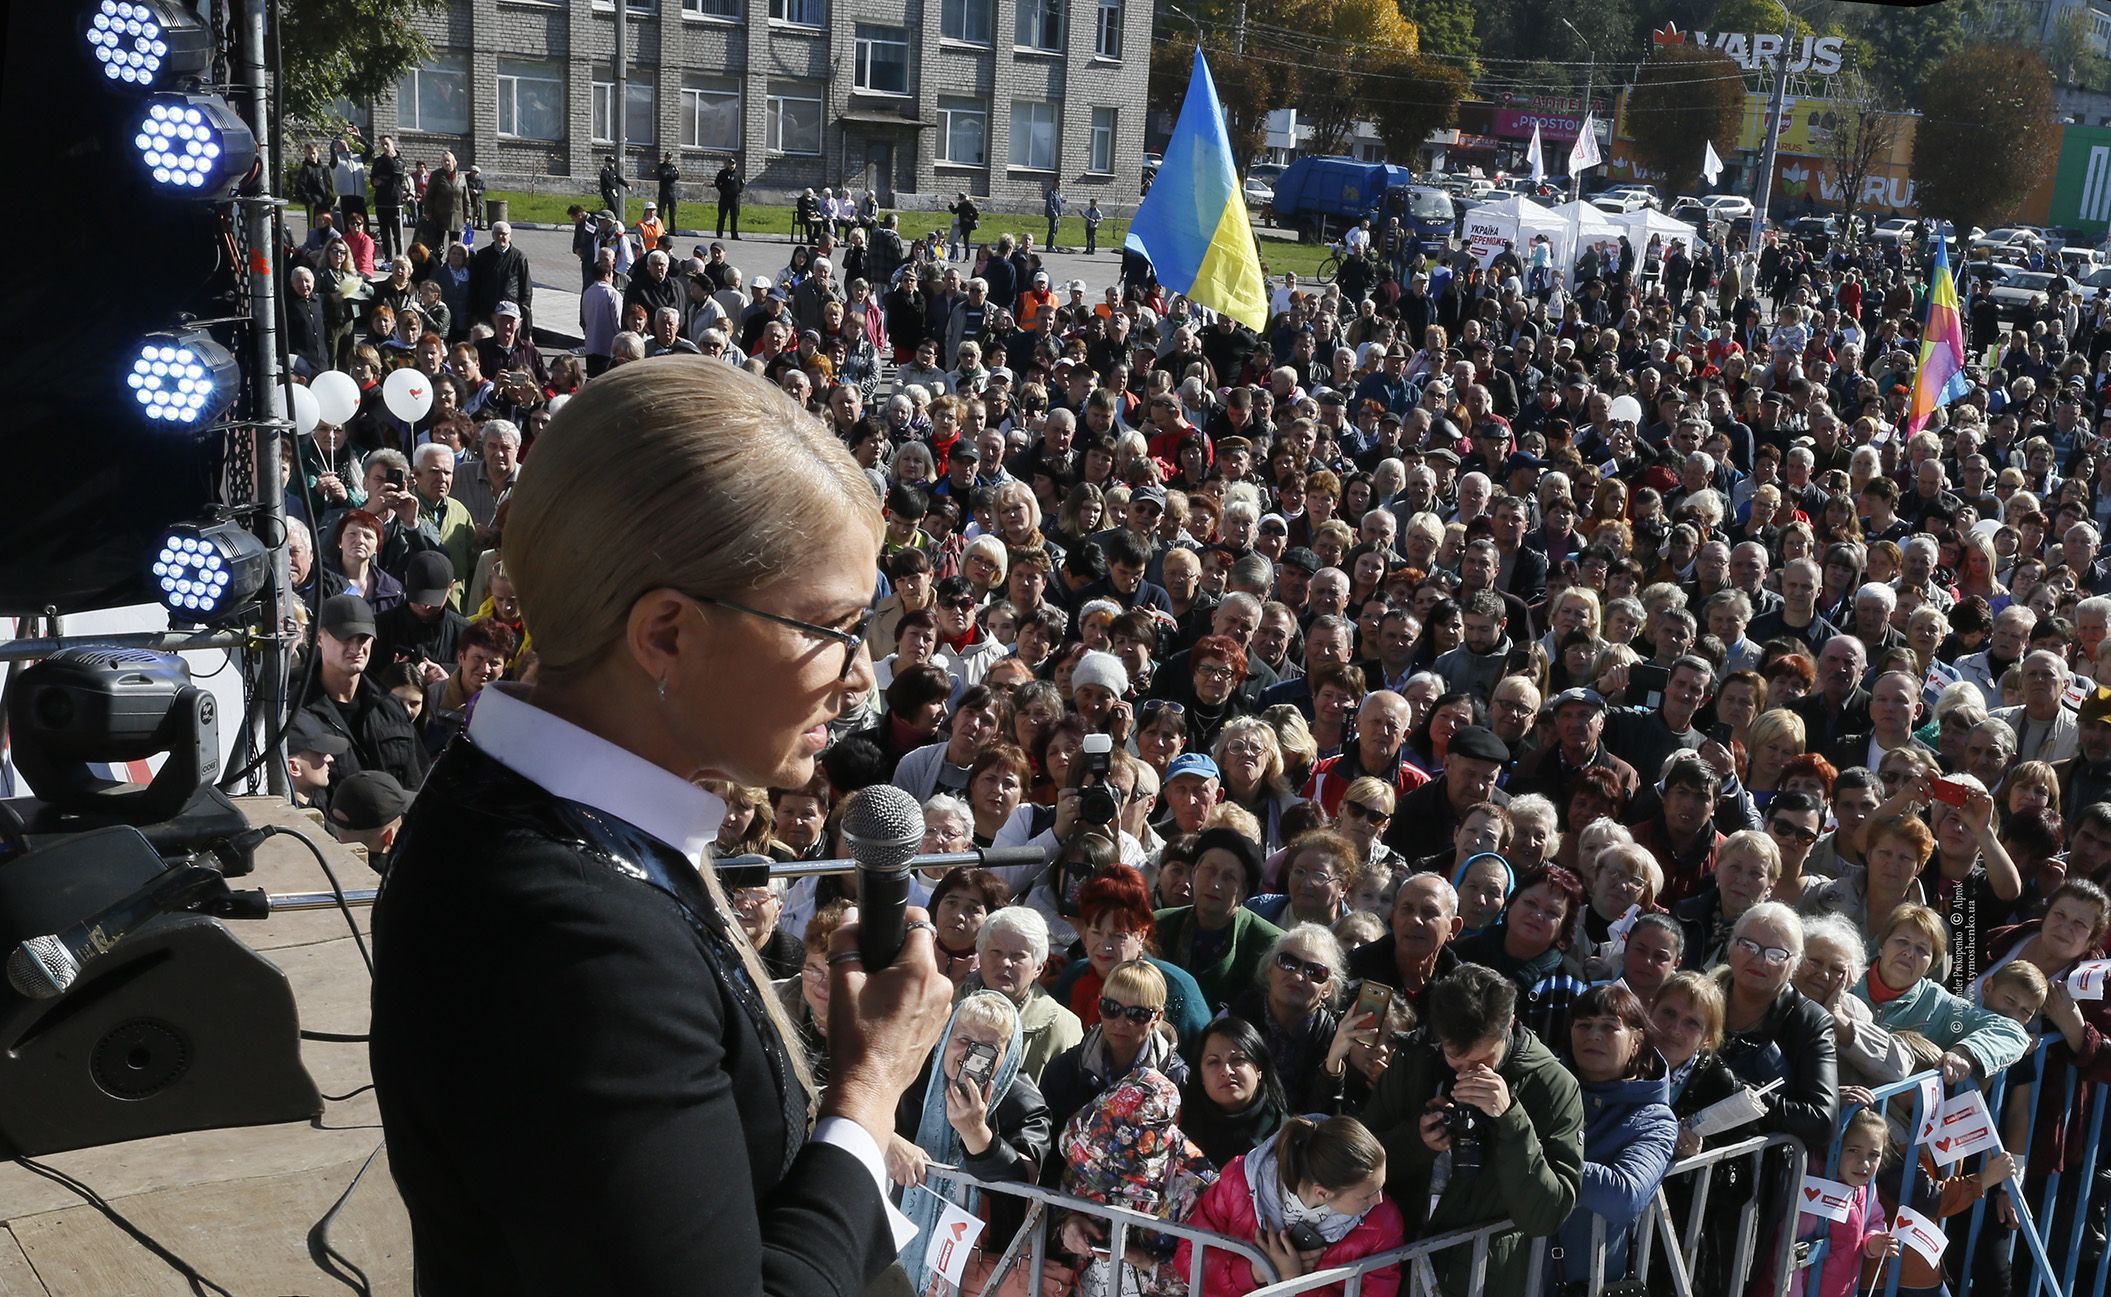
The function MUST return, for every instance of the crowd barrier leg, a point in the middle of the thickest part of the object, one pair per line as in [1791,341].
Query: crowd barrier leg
[1674,1258]
[1029,1228]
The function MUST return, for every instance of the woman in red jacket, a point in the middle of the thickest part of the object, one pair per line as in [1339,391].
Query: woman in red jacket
[1311,1198]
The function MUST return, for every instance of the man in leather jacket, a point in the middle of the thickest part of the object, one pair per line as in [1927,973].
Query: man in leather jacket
[348,702]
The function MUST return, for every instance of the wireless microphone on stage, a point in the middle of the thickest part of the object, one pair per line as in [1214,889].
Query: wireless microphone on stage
[882,827]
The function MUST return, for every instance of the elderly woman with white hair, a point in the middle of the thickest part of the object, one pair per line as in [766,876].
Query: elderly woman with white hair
[1013,949]
[1773,1032]
[1834,959]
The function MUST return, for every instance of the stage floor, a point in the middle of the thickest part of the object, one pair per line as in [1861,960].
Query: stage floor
[236,1204]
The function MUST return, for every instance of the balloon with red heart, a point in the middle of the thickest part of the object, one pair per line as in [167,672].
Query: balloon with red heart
[408,394]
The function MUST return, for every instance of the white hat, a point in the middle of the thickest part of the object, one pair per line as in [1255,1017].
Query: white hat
[1103,669]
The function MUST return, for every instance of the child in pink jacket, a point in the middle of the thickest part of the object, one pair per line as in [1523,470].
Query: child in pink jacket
[1864,1233]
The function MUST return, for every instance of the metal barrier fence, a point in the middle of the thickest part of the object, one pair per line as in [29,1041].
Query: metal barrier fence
[2047,1246]
[1656,1233]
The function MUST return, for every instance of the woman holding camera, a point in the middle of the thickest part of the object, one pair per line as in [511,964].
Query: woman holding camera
[1311,1198]
[972,1109]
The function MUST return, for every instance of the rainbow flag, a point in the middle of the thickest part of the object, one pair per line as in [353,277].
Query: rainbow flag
[1193,224]
[1940,378]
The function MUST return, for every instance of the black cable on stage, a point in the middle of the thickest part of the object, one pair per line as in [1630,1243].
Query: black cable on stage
[199,1284]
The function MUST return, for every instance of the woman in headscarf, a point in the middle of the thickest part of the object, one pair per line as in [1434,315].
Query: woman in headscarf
[981,1116]
[1126,1149]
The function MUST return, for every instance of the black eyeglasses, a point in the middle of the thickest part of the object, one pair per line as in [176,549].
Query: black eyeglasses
[1136,1013]
[849,639]
[1313,972]
[1357,810]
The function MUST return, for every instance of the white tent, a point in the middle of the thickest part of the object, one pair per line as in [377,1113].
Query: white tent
[1514,219]
[1639,224]
[1581,224]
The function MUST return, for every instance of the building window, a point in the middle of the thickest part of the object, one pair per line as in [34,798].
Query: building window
[1107,36]
[711,8]
[637,120]
[435,97]
[800,13]
[963,132]
[1103,121]
[794,120]
[1041,24]
[711,113]
[1033,135]
[965,20]
[530,100]
[882,59]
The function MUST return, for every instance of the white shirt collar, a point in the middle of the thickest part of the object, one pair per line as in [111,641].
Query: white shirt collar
[569,762]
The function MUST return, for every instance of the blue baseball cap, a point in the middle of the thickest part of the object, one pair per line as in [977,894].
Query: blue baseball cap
[1193,763]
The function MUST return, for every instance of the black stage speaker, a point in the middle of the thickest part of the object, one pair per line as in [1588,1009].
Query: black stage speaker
[178,1027]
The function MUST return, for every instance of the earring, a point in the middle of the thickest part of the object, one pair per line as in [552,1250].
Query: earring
[663,691]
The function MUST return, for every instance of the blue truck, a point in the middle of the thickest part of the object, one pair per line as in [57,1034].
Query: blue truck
[1321,197]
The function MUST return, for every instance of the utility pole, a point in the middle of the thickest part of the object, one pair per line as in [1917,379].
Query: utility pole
[1238,30]
[620,96]
[1771,146]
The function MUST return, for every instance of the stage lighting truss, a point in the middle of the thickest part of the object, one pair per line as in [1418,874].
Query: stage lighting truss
[186,379]
[194,145]
[147,44]
[211,573]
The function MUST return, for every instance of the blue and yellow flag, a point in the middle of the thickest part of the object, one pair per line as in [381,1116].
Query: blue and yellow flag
[1193,224]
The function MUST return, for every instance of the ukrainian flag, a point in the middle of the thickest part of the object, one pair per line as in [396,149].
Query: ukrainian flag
[1193,224]
[1940,378]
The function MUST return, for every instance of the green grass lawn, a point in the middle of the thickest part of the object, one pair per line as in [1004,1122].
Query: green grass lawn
[1278,255]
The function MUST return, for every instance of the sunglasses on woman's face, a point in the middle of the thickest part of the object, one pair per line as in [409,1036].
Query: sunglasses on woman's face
[1137,1013]
[1311,971]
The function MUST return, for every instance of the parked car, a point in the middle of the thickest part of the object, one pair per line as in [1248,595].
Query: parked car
[1811,231]
[1260,198]
[1728,207]
[1897,229]
[1618,202]
[2008,238]
[2014,293]
[1266,171]
[2080,261]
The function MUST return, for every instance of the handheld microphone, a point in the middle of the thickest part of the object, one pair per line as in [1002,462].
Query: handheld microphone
[43,968]
[882,827]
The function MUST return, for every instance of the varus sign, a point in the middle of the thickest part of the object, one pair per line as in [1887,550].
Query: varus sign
[1822,55]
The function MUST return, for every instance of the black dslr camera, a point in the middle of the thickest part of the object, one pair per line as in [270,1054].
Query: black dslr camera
[1465,1124]
[1096,802]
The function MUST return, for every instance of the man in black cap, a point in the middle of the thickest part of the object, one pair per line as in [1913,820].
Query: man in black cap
[368,810]
[423,628]
[311,748]
[1431,813]
[345,700]
[1579,731]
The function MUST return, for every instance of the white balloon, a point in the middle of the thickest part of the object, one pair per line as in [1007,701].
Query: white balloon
[336,396]
[307,412]
[408,394]
[1626,409]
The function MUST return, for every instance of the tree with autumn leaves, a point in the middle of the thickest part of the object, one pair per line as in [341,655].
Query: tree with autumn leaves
[1337,62]
[1683,97]
[1986,138]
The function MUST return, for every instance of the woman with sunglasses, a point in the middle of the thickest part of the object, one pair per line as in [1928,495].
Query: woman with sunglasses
[1292,1004]
[678,639]
[1131,1035]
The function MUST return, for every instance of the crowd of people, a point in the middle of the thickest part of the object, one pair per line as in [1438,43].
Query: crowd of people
[1474,726]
